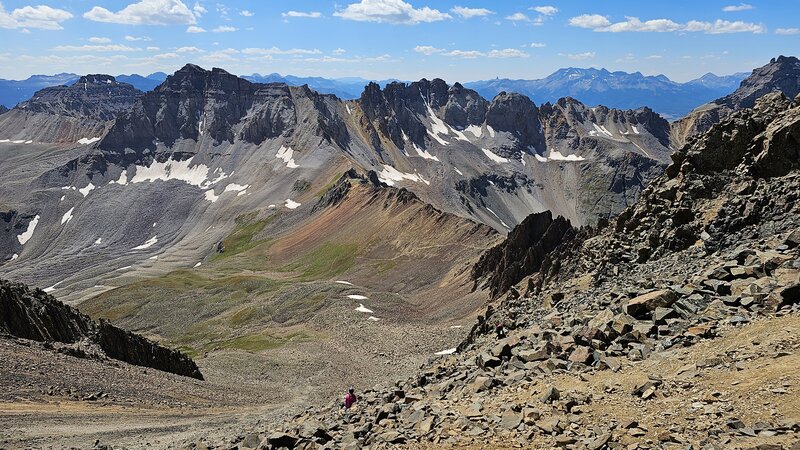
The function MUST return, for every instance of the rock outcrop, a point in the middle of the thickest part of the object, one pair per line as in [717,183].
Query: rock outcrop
[32,314]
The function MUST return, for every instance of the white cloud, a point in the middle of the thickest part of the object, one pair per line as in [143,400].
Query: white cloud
[278,51]
[598,23]
[390,11]
[308,15]
[739,7]
[654,57]
[545,10]
[95,48]
[40,17]
[427,49]
[339,51]
[518,17]
[188,50]
[153,49]
[145,12]
[580,56]
[99,40]
[137,38]
[467,54]
[246,13]
[507,53]
[787,31]
[468,13]
[224,29]
[538,45]
[195,29]
[198,9]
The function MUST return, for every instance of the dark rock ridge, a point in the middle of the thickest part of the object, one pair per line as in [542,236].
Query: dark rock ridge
[781,74]
[95,97]
[522,253]
[33,314]
[3,109]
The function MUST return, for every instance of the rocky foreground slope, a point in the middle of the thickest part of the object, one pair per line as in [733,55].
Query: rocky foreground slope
[698,281]
[32,314]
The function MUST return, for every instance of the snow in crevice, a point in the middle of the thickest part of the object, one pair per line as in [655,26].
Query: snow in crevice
[601,129]
[540,158]
[557,156]
[85,191]
[635,130]
[490,130]
[291,204]
[87,141]
[62,198]
[458,171]
[459,135]
[67,216]
[424,153]
[390,176]
[437,138]
[347,107]
[449,351]
[123,178]
[357,297]
[285,154]
[28,233]
[14,256]
[51,288]
[476,130]
[150,242]
[494,156]
[363,309]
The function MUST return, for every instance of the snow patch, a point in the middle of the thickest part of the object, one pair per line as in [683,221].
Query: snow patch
[150,242]
[67,216]
[14,256]
[210,196]
[62,198]
[347,107]
[344,282]
[601,129]
[490,130]
[373,318]
[424,153]
[170,169]
[198,264]
[233,187]
[153,257]
[557,156]
[18,141]
[291,204]
[51,288]
[363,309]
[123,268]
[635,130]
[494,156]
[98,241]
[458,171]
[356,297]
[390,176]
[5,140]
[449,351]
[540,158]
[28,233]
[475,130]
[87,141]
[437,138]
[123,178]
[455,326]
[285,154]
[85,191]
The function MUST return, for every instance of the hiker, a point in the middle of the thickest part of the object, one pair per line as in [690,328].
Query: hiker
[349,399]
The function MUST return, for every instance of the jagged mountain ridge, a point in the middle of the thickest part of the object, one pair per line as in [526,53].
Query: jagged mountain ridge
[205,135]
[781,74]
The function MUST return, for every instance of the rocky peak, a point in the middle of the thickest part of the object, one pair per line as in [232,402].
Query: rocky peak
[96,97]
[95,79]
[516,114]
[782,74]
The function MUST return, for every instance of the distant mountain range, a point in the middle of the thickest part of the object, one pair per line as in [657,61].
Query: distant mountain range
[590,86]
[617,89]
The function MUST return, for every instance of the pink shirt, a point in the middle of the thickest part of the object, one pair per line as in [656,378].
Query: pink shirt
[349,399]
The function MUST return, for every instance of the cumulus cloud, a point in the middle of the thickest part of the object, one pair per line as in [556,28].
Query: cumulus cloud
[246,13]
[518,17]
[390,11]
[538,45]
[339,51]
[787,31]
[40,17]
[224,29]
[137,38]
[467,54]
[596,22]
[145,12]
[278,51]
[507,53]
[468,13]
[308,15]
[545,10]
[99,40]
[95,48]
[739,7]
[195,29]
[188,50]
[198,9]
[427,49]
[153,49]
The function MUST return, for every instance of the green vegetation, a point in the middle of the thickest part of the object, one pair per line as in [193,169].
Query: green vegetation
[326,261]
[241,239]
[325,188]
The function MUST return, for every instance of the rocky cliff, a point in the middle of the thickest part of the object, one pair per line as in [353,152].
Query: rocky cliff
[781,74]
[33,314]
[674,298]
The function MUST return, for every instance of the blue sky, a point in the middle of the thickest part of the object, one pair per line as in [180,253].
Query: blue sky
[460,40]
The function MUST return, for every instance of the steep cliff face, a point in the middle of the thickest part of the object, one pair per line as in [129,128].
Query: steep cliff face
[781,74]
[32,314]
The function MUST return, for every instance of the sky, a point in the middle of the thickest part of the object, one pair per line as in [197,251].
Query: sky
[459,40]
